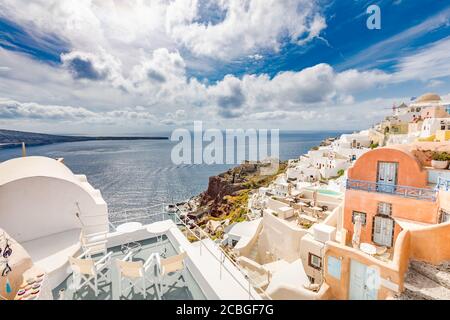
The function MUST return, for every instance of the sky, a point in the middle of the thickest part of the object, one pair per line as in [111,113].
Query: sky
[110,67]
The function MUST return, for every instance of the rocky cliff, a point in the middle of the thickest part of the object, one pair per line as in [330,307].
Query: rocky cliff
[227,193]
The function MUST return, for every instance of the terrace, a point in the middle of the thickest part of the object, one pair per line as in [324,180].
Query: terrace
[208,273]
[182,287]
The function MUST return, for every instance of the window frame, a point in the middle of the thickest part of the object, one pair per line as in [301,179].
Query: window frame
[380,216]
[364,215]
[383,211]
[310,261]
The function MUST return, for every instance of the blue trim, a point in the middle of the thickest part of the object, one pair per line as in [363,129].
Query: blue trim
[396,190]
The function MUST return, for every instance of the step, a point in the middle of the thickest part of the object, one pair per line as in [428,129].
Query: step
[420,287]
[254,253]
[438,273]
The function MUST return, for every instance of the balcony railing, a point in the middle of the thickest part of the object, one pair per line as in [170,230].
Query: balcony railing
[442,184]
[403,191]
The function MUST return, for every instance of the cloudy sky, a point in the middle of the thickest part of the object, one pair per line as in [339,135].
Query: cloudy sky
[138,67]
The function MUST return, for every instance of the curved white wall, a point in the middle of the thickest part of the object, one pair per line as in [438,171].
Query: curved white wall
[38,197]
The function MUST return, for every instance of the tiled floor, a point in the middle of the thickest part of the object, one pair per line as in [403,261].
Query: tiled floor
[177,288]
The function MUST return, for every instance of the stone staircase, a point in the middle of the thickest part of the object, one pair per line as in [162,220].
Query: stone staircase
[424,281]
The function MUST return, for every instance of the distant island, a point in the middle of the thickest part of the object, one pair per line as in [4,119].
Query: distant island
[12,138]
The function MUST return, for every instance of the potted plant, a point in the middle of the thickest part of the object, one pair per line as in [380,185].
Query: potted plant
[440,160]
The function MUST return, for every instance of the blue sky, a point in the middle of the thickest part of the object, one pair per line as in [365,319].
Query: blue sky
[106,66]
[346,36]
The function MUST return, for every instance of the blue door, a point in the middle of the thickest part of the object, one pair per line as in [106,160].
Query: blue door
[387,177]
[364,282]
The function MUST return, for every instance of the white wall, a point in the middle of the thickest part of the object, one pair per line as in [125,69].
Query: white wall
[39,206]
[431,125]
[309,245]
[280,238]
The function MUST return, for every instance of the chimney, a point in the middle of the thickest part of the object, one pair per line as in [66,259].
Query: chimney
[24,150]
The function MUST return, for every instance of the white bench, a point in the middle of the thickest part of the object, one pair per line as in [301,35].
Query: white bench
[51,253]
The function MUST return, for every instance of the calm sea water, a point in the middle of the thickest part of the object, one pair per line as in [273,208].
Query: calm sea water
[137,175]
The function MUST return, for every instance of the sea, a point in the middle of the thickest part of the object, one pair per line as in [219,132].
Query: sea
[139,176]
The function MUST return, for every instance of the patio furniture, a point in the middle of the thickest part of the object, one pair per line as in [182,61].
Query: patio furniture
[381,250]
[138,274]
[302,204]
[159,229]
[169,266]
[128,228]
[309,211]
[383,257]
[316,211]
[368,248]
[94,243]
[304,218]
[88,272]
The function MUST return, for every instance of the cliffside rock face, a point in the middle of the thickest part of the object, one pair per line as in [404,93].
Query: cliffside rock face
[225,184]
[234,182]
[219,187]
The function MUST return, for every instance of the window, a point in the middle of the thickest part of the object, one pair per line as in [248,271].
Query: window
[383,231]
[384,208]
[445,216]
[363,216]
[314,261]
[334,267]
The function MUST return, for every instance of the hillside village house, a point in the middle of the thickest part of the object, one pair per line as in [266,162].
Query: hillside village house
[435,129]
[425,119]
[394,201]
[327,161]
[438,111]
[385,187]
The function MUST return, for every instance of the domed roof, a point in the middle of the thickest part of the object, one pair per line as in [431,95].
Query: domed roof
[428,97]
[27,167]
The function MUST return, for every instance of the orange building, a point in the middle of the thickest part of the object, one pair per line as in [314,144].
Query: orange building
[404,205]
[388,187]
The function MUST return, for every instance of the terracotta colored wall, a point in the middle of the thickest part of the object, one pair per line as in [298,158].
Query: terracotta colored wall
[434,112]
[393,271]
[431,244]
[410,172]
[406,208]
[444,199]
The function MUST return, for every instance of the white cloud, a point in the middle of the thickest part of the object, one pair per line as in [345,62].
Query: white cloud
[283,115]
[247,26]
[290,91]
[124,28]
[11,109]
[158,85]
[126,54]
[429,63]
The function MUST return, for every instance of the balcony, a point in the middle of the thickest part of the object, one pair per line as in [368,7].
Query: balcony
[402,191]
[442,184]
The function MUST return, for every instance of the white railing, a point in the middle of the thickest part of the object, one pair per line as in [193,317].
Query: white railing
[442,184]
[223,254]
[150,216]
[146,215]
